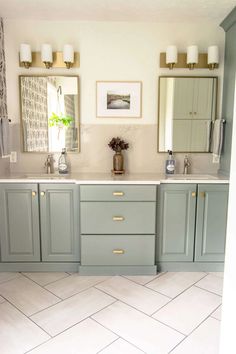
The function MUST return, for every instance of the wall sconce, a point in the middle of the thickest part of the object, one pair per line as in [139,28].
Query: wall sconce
[171,56]
[68,55]
[46,55]
[213,57]
[25,55]
[192,56]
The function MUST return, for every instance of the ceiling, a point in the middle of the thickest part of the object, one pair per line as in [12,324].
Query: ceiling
[118,10]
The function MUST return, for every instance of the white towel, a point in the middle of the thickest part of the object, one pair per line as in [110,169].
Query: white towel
[217,139]
[4,137]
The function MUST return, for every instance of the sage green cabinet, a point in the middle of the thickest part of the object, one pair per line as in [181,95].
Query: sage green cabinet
[176,222]
[118,226]
[211,222]
[192,222]
[19,220]
[59,222]
[35,215]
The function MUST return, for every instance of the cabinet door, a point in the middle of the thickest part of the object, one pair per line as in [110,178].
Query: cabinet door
[19,220]
[59,222]
[203,98]
[183,98]
[176,222]
[211,222]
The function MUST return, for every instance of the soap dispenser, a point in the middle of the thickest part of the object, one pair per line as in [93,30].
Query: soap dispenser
[170,164]
[63,166]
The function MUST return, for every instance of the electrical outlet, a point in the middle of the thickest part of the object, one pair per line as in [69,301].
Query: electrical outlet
[13,157]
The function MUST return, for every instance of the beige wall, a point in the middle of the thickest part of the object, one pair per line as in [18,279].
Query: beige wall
[110,51]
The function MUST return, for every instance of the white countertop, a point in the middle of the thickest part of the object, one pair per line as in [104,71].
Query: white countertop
[107,178]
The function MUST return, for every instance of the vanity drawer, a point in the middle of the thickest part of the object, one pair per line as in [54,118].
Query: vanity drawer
[117,193]
[121,250]
[118,218]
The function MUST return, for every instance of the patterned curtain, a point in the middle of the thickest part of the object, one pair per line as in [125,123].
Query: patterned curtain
[3,88]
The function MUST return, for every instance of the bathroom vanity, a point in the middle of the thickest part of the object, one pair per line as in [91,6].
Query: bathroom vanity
[99,224]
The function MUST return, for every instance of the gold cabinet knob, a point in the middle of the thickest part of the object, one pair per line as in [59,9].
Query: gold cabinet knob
[190,112]
[42,194]
[195,113]
[118,251]
[202,194]
[193,194]
[118,218]
[34,193]
[118,194]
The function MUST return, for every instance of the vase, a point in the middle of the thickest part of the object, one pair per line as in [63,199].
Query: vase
[118,163]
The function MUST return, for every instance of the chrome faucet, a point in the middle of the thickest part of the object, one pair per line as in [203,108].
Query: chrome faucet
[187,164]
[49,164]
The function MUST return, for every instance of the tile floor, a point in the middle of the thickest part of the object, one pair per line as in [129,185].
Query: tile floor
[58,313]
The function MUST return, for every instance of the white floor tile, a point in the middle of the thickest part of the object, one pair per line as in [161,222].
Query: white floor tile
[173,283]
[5,276]
[133,294]
[138,329]
[1,299]
[217,274]
[17,333]
[204,340]
[188,310]
[44,278]
[87,337]
[71,311]
[27,296]
[217,313]
[141,279]
[74,284]
[120,346]
[211,283]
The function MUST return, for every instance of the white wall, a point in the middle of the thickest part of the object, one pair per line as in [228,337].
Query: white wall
[109,51]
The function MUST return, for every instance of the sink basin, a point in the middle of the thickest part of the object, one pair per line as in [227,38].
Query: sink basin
[191,177]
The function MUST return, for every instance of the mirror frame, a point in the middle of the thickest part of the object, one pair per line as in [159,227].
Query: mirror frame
[158,117]
[21,118]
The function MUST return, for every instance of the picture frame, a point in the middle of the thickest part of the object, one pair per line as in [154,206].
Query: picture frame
[119,99]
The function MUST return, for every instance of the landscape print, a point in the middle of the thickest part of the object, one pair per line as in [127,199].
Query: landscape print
[117,100]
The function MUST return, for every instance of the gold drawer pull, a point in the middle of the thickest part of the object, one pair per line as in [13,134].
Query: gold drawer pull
[42,194]
[193,194]
[34,194]
[118,194]
[118,251]
[202,194]
[118,218]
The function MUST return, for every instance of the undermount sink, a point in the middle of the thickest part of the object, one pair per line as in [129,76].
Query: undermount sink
[191,176]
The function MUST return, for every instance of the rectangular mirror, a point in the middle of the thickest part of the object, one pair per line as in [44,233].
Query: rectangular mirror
[187,110]
[49,113]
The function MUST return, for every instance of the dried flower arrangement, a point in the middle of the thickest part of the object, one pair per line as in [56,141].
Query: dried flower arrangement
[117,145]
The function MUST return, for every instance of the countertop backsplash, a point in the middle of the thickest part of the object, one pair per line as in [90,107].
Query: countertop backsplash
[96,156]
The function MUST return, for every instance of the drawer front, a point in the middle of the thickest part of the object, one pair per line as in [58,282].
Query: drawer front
[123,250]
[118,218]
[117,193]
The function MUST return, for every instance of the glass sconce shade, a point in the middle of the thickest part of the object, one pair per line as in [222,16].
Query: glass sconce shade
[192,56]
[25,55]
[46,55]
[171,56]
[68,54]
[213,57]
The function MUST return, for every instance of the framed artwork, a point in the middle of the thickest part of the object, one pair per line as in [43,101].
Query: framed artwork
[119,99]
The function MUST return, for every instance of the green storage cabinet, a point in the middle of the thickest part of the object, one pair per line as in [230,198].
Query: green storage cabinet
[59,222]
[19,220]
[211,222]
[192,222]
[176,222]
